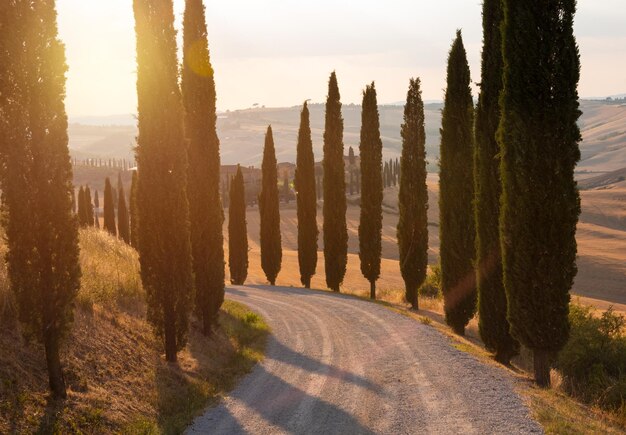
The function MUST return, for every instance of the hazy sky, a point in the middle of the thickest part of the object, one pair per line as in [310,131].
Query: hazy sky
[280,52]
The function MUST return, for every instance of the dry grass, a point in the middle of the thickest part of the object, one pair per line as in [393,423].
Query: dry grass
[117,377]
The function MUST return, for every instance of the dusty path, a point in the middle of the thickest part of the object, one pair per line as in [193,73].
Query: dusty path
[338,365]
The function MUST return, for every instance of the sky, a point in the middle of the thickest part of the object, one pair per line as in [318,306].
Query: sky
[280,52]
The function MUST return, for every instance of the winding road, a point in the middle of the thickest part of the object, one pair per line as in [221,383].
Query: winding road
[339,365]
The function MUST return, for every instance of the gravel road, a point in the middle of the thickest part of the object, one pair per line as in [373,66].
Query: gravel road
[339,365]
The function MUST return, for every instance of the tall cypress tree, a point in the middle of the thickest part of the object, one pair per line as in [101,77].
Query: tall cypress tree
[134,220]
[123,223]
[413,196]
[205,206]
[164,240]
[371,220]
[82,208]
[36,175]
[89,207]
[237,231]
[492,303]
[539,139]
[307,201]
[456,192]
[109,209]
[271,251]
[335,206]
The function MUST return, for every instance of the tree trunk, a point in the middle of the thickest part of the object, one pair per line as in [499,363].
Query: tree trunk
[169,330]
[459,330]
[335,289]
[373,290]
[55,371]
[412,296]
[307,283]
[541,361]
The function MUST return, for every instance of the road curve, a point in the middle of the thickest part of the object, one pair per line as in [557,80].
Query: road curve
[339,365]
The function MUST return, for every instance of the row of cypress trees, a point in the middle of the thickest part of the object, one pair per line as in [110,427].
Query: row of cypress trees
[509,204]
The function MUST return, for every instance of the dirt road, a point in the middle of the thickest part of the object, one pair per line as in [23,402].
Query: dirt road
[339,365]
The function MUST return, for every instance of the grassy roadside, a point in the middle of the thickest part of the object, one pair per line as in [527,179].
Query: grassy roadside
[117,378]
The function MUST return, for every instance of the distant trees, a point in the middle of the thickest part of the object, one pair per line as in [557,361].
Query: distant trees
[96,203]
[134,220]
[371,220]
[456,193]
[412,230]
[237,231]
[162,206]
[271,251]
[123,222]
[539,138]
[82,208]
[492,304]
[306,201]
[36,176]
[205,206]
[88,207]
[335,228]
[109,209]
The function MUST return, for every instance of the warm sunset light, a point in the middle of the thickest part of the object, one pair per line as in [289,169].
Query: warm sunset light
[326,217]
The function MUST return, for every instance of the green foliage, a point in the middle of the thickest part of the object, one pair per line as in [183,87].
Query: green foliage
[307,201]
[237,231]
[162,206]
[271,250]
[431,288]
[335,206]
[456,192]
[371,219]
[205,206]
[109,209]
[123,222]
[88,207]
[36,177]
[492,304]
[593,362]
[412,229]
[538,137]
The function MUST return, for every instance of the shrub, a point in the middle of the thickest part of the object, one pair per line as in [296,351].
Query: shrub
[432,286]
[593,362]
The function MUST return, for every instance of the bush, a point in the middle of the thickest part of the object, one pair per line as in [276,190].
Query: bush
[593,362]
[432,286]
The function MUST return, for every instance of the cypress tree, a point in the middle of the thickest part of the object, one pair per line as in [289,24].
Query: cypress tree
[492,303]
[109,209]
[88,207]
[306,201]
[82,208]
[96,203]
[162,205]
[371,220]
[134,221]
[456,193]
[335,206]
[237,231]
[271,251]
[412,229]
[123,223]
[539,137]
[36,175]
[286,188]
[205,206]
